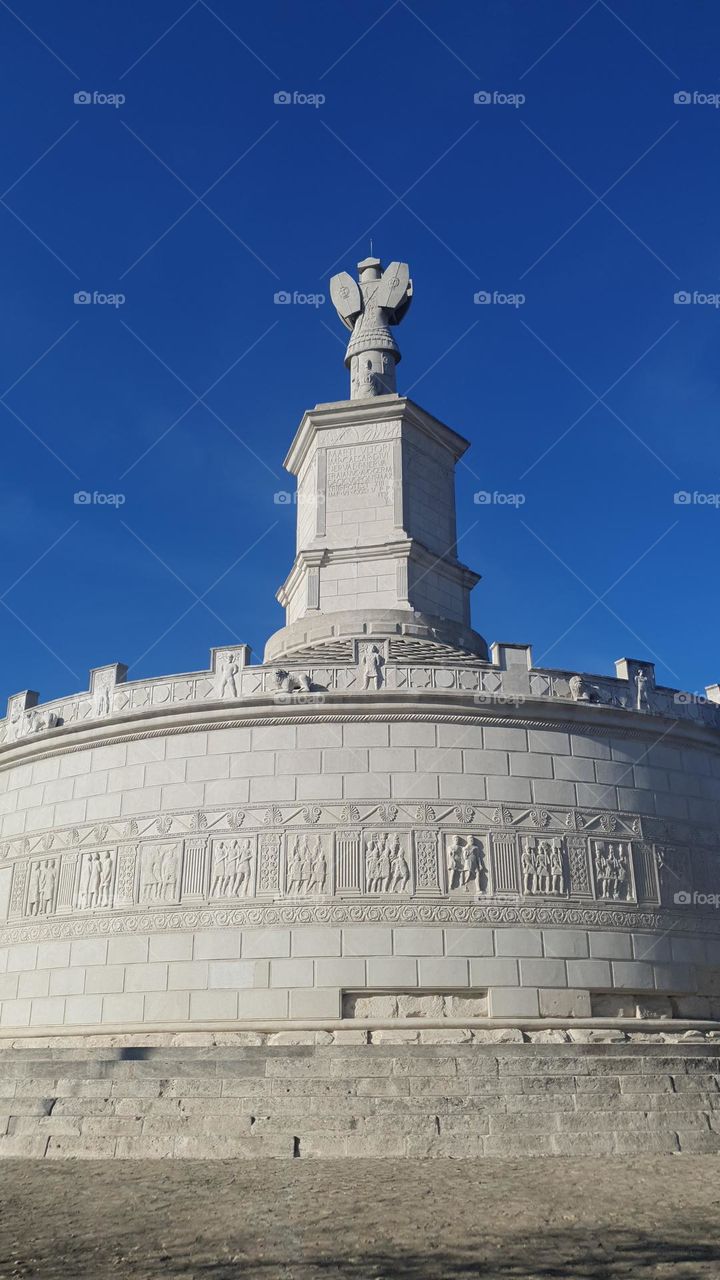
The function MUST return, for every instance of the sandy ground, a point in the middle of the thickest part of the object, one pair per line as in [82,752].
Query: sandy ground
[361,1220]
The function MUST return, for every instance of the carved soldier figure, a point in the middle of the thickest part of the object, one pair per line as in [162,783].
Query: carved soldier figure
[369,308]
[472,863]
[384,865]
[294,871]
[94,881]
[106,869]
[542,867]
[318,875]
[168,874]
[305,865]
[528,870]
[244,872]
[400,868]
[456,863]
[372,667]
[642,684]
[557,878]
[219,870]
[84,881]
[228,676]
[33,900]
[47,887]
[373,866]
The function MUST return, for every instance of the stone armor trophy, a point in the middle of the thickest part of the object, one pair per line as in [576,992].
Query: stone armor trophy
[368,308]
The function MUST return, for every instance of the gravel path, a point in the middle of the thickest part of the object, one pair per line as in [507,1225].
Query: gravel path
[361,1220]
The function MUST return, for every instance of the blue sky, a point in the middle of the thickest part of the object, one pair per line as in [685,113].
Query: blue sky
[596,398]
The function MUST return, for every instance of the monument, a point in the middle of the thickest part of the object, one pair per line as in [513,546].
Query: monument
[384,833]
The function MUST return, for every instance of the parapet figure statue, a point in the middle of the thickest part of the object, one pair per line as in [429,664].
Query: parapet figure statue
[368,308]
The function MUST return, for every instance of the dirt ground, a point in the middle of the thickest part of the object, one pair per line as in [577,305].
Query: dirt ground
[361,1220]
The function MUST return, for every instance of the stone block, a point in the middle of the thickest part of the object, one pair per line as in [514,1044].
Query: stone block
[128,950]
[545,973]
[104,979]
[217,944]
[231,973]
[323,941]
[418,941]
[443,972]
[366,940]
[518,942]
[469,941]
[123,1008]
[83,1010]
[318,1002]
[265,943]
[171,946]
[347,972]
[167,1006]
[556,1003]
[494,972]
[146,977]
[592,974]
[571,944]
[291,973]
[517,789]
[190,975]
[211,1006]
[89,951]
[395,972]
[632,975]
[511,1002]
[610,946]
[265,1004]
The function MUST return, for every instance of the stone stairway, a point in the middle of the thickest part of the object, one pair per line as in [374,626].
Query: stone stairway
[458,1100]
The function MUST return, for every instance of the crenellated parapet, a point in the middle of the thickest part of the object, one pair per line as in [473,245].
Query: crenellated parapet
[345,666]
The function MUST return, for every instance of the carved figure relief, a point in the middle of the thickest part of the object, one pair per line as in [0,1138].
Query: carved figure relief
[371,665]
[542,867]
[95,883]
[41,888]
[612,870]
[227,676]
[159,875]
[642,690]
[232,869]
[387,868]
[307,867]
[466,864]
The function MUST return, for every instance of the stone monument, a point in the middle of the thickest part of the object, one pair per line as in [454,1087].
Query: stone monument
[384,832]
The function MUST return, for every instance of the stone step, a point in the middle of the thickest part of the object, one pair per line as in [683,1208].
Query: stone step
[316,1102]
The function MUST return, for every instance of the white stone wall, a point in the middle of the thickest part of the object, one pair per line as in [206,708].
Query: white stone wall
[219,962]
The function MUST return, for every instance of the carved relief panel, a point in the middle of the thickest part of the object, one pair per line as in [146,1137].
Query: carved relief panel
[42,887]
[466,864]
[387,863]
[160,866]
[95,880]
[233,868]
[613,870]
[308,865]
[542,865]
